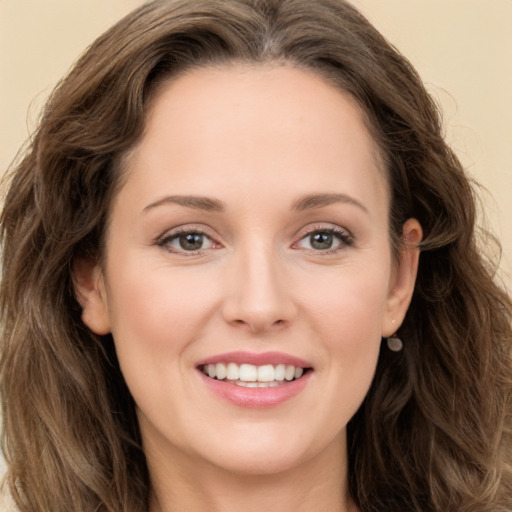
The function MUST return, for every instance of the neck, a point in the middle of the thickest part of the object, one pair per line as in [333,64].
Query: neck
[316,484]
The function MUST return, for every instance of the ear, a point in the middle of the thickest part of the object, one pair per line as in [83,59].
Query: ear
[403,278]
[91,293]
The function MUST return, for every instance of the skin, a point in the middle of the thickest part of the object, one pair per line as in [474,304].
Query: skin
[257,139]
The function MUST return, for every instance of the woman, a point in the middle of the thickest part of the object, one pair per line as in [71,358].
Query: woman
[212,293]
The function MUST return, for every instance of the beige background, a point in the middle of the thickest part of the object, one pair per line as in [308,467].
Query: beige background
[462,49]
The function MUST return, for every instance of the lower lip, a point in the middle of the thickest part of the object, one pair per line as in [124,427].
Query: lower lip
[255,398]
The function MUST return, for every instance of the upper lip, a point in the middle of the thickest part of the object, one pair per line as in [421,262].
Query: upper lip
[257,359]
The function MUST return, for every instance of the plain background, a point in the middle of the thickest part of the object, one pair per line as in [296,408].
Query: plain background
[461,48]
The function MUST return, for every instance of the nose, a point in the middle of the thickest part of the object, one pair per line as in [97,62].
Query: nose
[259,296]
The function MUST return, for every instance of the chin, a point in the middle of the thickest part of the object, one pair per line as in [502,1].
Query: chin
[260,464]
[267,455]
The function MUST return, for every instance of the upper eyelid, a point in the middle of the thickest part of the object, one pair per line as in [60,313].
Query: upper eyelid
[345,236]
[186,228]
[164,242]
[334,228]
[169,235]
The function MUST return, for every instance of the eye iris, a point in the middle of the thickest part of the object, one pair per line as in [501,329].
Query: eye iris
[191,241]
[321,240]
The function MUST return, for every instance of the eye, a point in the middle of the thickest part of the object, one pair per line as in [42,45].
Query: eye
[325,240]
[187,241]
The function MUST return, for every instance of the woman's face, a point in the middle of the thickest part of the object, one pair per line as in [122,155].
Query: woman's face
[249,241]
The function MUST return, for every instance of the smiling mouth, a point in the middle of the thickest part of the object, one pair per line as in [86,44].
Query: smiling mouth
[252,376]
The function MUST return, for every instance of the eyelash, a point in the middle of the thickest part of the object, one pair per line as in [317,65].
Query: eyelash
[344,238]
[166,240]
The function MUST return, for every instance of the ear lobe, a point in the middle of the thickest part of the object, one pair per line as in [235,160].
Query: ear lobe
[404,278]
[91,293]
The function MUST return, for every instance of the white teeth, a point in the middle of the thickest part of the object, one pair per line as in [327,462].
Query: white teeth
[221,371]
[248,372]
[289,373]
[212,370]
[279,372]
[233,372]
[250,375]
[256,384]
[266,373]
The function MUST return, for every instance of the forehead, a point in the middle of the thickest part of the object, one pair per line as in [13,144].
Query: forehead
[218,126]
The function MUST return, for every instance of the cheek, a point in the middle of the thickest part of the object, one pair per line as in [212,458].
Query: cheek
[349,305]
[157,307]
[157,315]
[346,318]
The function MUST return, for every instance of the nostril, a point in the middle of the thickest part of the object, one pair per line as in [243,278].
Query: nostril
[259,324]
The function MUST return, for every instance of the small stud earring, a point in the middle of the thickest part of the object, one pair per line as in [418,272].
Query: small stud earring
[395,344]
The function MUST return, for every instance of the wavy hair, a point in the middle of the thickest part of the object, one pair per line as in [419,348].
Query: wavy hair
[434,432]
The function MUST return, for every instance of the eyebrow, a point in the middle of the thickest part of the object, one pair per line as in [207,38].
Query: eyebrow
[321,200]
[307,202]
[197,202]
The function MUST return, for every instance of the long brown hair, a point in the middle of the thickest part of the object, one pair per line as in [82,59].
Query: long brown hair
[434,432]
